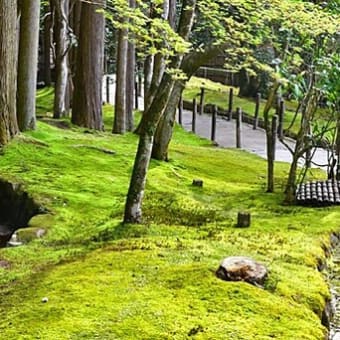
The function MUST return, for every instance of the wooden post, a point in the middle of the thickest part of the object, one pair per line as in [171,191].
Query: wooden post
[230,106]
[202,96]
[271,155]
[281,116]
[136,95]
[308,158]
[213,123]
[180,111]
[194,114]
[243,220]
[274,134]
[238,127]
[108,81]
[257,110]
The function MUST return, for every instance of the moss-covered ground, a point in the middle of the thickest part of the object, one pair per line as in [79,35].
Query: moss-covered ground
[104,280]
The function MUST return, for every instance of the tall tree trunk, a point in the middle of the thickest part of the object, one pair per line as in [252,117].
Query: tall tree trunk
[27,63]
[164,130]
[158,65]
[119,124]
[172,13]
[270,164]
[130,79]
[148,66]
[150,120]
[190,65]
[8,73]
[75,16]
[291,181]
[47,50]
[87,100]
[61,67]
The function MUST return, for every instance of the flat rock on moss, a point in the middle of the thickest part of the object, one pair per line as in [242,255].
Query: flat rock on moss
[240,268]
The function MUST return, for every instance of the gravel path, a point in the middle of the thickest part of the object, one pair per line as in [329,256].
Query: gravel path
[251,140]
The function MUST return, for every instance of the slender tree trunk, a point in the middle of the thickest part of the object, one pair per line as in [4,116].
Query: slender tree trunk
[291,181]
[270,161]
[75,17]
[165,126]
[172,13]
[148,66]
[119,124]
[61,67]
[130,80]
[8,74]
[158,65]
[190,65]
[47,50]
[27,63]
[150,120]
[308,108]
[87,100]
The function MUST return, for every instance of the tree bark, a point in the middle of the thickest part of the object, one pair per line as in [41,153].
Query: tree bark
[27,63]
[87,99]
[8,73]
[74,26]
[130,79]
[61,67]
[189,66]
[164,130]
[119,124]
[47,50]
[150,120]
[308,108]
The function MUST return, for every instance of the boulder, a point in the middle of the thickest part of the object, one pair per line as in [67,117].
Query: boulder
[240,268]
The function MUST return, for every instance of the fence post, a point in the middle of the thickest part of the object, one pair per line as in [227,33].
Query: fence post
[281,116]
[213,123]
[238,127]
[180,110]
[230,106]
[271,155]
[257,110]
[308,158]
[202,96]
[194,114]
[108,80]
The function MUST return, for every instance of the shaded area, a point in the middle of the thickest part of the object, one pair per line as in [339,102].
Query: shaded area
[16,209]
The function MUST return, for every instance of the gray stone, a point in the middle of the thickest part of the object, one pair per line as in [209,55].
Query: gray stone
[4,264]
[240,268]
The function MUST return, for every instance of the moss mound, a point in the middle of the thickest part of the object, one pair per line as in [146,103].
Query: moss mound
[104,280]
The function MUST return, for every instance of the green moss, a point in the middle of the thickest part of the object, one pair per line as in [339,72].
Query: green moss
[104,280]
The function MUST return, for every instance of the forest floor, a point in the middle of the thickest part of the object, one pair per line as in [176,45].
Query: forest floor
[105,280]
